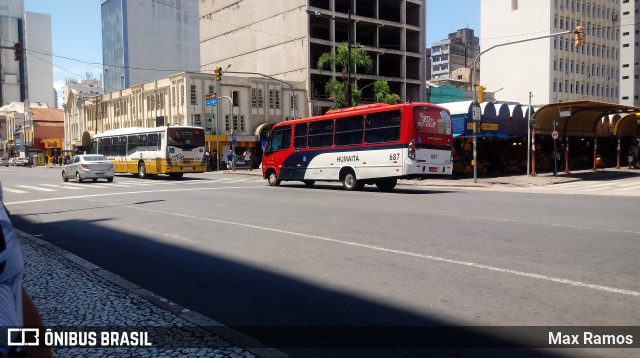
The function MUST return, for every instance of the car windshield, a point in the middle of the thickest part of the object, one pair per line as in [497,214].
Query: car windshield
[95,158]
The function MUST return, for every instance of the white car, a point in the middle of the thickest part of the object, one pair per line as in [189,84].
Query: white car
[88,166]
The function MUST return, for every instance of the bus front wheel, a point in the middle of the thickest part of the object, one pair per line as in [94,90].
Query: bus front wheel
[350,182]
[273,179]
[142,171]
[175,175]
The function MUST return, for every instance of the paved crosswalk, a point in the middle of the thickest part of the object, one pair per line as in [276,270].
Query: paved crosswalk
[609,187]
[126,183]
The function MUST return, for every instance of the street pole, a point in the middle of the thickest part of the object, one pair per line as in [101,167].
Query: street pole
[475,179]
[348,97]
[529,136]
[233,149]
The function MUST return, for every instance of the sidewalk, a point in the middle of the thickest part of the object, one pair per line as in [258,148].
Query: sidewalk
[521,180]
[73,294]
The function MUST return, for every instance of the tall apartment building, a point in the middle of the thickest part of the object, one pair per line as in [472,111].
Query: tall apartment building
[282,40]
[552,68]
[33,31]
[457,51]
[629,52]
[144,41]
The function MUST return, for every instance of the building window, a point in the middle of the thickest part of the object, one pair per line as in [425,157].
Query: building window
[235,96]
[293,103]
[193,95]
[256,98]
[274,99]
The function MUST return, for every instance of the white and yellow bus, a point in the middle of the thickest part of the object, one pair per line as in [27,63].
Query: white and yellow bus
[173,150]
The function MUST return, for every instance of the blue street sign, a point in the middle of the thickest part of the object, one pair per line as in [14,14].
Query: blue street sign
[212,102]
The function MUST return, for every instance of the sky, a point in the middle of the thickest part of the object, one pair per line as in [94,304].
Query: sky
[77,34]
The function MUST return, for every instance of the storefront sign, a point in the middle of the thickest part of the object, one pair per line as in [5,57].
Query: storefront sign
[50,143]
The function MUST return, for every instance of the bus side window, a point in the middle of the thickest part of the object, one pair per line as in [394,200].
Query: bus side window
[300,136]
[122,146]
[153,144]
[321,134]
[382,127]
[142,142]
[132,144]
[105,144]
[349,130]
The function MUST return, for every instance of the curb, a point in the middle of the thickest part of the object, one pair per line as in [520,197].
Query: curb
[231,336]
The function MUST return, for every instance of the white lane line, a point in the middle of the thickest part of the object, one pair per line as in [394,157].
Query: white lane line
[127,193]
[412,254]
[34,188]
[17,191]
[63,186]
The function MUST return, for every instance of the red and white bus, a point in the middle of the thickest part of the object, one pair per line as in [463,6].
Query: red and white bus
[370,144]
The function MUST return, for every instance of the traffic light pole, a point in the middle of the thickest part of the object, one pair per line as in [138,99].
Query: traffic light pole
[579,31]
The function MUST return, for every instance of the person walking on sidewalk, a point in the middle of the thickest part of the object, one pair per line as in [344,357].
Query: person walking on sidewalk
[16,308]
[247,159]
[555,158]
[230,161]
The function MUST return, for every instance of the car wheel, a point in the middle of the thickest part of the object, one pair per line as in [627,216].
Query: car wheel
[109,180]
[273,179]
[64,177]
[309,182]
[142,171]
[350,182]
[78,179]
[95,180]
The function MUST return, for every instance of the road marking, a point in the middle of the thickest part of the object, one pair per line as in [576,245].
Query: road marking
[166,234]
[17,191]
[127,193]
[63,186]
[35,188]
[413,254]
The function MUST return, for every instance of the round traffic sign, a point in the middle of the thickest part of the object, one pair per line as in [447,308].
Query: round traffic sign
[554,135]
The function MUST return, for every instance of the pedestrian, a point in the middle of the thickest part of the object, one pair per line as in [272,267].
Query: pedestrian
[235,161]
[630,156]
[636,151]
[212,163]
[555,158]
[206,161]
[229,160]
[247,159]
[16,307]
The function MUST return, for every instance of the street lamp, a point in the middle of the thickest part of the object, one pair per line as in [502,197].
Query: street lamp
[316,13]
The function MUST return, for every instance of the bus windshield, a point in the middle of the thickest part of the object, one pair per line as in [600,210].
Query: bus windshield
[431,120]
[185,138]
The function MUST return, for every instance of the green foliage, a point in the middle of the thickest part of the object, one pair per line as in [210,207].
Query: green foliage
[359,58]
[383,95]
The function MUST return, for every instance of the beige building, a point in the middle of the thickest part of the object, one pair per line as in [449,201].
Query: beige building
[246,105]
[551,68]
[282,40]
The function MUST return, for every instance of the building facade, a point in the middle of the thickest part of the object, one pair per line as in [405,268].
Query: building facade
[551,68]
[245,107]
[456,52]
[39,61]
[282,40]
[629,21]
[143,41]
[84,88]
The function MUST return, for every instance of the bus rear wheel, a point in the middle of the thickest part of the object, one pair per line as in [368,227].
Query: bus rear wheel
[142,171]
[386,184]
[349,182]
[273,179]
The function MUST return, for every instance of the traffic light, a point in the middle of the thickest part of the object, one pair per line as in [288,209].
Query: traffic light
[17,51]
[218,73]
[480,90]
[579,36]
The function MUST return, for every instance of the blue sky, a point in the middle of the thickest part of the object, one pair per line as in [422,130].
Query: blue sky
[77,35]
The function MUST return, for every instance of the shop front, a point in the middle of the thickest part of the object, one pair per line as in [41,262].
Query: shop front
[52,150]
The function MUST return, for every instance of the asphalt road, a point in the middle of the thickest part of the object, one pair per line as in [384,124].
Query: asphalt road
[248,255]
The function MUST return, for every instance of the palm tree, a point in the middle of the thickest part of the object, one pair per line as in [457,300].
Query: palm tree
[359,58]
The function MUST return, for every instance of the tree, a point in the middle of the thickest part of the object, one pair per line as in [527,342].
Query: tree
[359,58]
[383,93]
